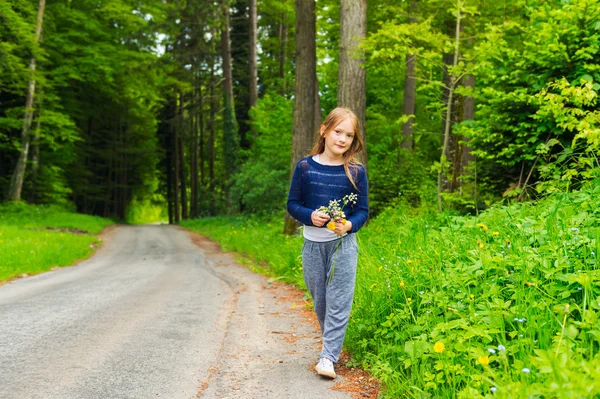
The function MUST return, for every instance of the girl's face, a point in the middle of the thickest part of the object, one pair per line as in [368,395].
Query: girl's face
[338,139]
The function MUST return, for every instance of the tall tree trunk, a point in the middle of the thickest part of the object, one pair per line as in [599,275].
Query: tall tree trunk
[352,79]
[252,73]
[35,154]
[305,90]
[211,142]
[176,165]
[410,88]
[283,38]
[183,176]
[16,181]
[229,123]
[452,81]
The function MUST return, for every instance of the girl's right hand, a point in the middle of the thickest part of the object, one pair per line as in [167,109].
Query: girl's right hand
[318,218]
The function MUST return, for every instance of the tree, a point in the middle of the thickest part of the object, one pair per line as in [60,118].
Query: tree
[304,128]
[252,73]
[16,183]
[230,131]
[351,75]
[410,87]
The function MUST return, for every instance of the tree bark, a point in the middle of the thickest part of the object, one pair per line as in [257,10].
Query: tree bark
[35,154]
[352,78]
[304,118]
[181,136]
[252,73]
[229,122]
[283,38]
[16,182]
[410,88]
[176,165]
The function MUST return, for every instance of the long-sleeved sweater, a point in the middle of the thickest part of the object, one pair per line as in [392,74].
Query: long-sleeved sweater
[314,185]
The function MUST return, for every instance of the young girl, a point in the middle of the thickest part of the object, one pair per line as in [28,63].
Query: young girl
[329,256]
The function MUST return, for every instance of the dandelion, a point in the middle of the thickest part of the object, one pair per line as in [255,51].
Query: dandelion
[483,226]
[527,283]
[483,360]
[495,234]
[492,351]
[501,348]
[409,261]
[472,296]
[402,284]
[526,370]
[408,299]
[438,347]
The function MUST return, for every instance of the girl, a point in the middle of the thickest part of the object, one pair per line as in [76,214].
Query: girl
[328,173]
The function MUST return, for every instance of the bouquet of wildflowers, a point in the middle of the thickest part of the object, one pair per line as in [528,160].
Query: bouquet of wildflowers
[335,210]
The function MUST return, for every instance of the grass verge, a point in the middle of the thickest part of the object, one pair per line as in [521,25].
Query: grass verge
[34,239]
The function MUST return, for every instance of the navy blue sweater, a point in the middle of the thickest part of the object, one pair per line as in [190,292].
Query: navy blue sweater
[314,185]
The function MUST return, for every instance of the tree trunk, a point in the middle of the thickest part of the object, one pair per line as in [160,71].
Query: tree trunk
[175,152]
[35,155]
[283,33]
[16,181]
[229,123]
[305,90]
[410,88]
[352,79]
[252,73]
[183,177]
[447,126]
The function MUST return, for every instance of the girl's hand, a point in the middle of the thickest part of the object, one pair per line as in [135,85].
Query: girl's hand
[318,218]
[341,228]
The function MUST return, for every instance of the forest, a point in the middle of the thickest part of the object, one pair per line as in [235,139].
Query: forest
[476,115]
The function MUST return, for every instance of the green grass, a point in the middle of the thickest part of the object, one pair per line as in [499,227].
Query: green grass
[513,295]
[34,239]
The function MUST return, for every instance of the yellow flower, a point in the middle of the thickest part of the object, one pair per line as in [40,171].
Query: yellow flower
[409,261]
[402,284]
[481,245]
[483,226]
[495,234]
[343,221]
[484,360]
[408,299]
[438,347]
[331,225]
[472,296]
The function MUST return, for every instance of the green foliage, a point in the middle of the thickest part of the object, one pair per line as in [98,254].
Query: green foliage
[262,182]
[34,239]
[519,60]
[141,211]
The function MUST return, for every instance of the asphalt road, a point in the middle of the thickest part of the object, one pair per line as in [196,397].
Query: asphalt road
[152,315]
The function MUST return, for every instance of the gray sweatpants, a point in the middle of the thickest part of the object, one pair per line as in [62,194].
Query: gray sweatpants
[333,299]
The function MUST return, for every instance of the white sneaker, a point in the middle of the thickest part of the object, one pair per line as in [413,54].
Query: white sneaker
[325,368]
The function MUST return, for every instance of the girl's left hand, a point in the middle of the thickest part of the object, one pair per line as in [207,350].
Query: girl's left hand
[341,228]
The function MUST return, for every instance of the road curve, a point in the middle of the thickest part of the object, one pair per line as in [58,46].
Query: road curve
[152,315]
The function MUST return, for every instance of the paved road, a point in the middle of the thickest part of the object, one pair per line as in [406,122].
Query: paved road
[152,315]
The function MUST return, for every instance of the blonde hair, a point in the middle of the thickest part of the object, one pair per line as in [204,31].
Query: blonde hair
[335,117]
